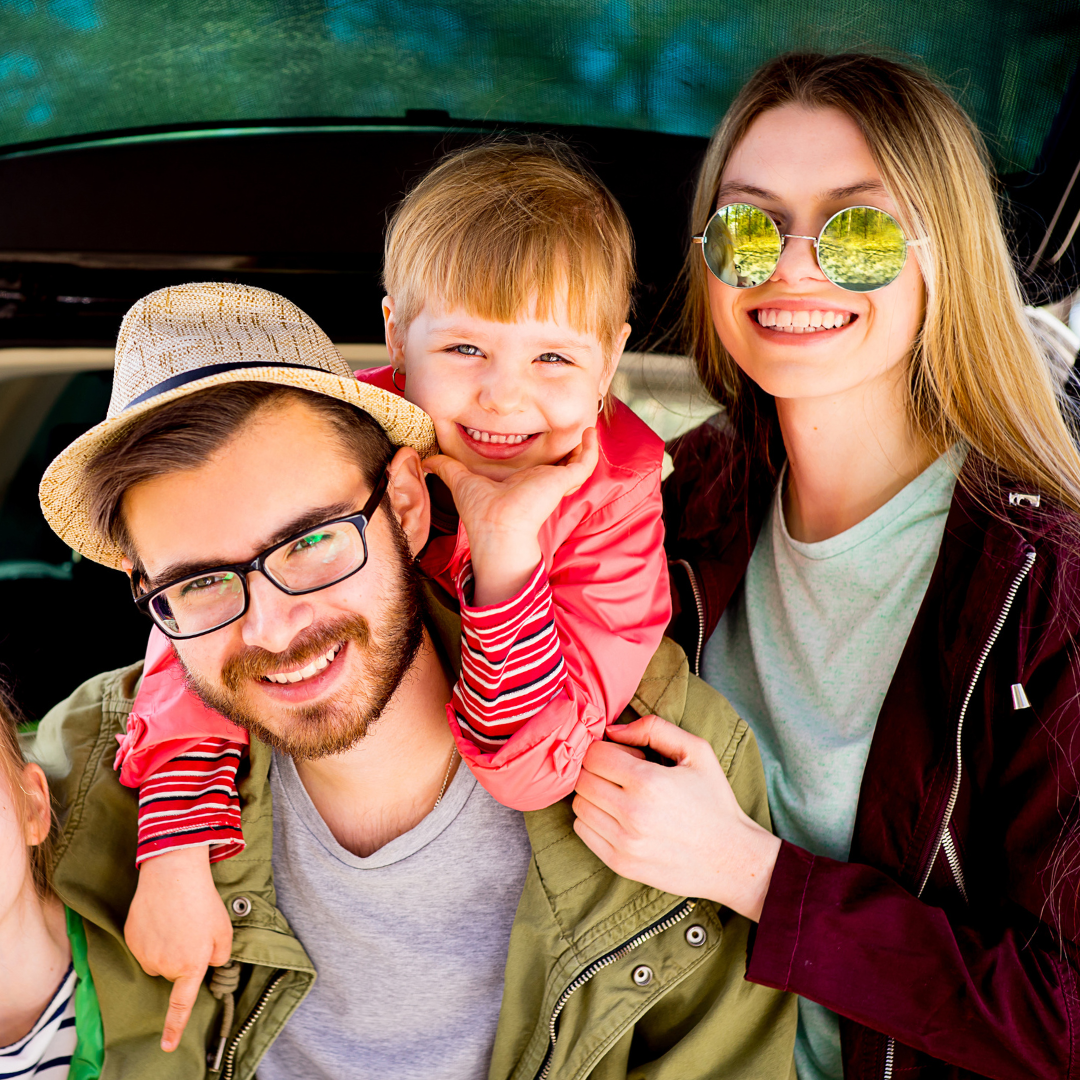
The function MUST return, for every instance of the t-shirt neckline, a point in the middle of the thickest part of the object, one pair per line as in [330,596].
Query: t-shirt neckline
[401,847]
[947,465]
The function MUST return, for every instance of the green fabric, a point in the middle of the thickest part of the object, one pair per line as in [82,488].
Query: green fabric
[94,874]
[697,1018]
[71,67]
[90,1048]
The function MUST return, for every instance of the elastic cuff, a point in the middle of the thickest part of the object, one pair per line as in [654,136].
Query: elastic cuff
[499,614]
[221,847]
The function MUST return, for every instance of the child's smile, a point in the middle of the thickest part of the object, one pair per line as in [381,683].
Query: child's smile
[498,446]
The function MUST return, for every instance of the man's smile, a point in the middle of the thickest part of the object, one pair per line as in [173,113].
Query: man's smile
[320,663]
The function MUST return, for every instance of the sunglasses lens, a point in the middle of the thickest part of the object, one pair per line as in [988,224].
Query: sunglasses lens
[742,245]
[862,249]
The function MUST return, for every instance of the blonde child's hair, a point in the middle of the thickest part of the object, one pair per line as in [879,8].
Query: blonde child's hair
[505,229]
[976,373]
[12,764]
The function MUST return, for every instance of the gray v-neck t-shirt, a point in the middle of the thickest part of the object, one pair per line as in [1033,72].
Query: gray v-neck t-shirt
[409,944]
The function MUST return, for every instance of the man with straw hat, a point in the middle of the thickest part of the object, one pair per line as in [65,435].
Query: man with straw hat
[268,509]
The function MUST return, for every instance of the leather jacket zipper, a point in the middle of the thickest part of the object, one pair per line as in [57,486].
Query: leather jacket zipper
[602,962]
[230,1054]
[944,841]
[695,588]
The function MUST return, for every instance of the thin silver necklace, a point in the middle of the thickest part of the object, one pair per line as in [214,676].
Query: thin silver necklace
[446,778]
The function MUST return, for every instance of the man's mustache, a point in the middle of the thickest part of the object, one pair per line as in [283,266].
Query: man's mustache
[253,662]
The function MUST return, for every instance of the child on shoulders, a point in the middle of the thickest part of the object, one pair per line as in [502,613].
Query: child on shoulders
[508,272]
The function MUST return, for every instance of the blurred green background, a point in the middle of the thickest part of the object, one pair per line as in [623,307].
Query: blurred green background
[71,67]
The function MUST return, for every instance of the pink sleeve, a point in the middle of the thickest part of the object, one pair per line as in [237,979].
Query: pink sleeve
[166,719]
[610,604]
[183,757]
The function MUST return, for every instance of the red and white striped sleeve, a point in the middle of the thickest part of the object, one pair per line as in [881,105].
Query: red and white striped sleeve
[511,660]
[192,800]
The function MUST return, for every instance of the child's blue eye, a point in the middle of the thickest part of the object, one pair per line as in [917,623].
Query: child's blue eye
[467,350]
[553,358]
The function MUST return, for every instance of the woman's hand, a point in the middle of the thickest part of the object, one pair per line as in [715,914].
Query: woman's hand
[677,828]
[502,518]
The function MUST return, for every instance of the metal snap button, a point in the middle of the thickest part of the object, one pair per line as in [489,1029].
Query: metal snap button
[241,906]
[695,935]
[642,975]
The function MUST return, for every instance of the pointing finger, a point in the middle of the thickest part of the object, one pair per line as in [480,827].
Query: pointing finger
[181,1001]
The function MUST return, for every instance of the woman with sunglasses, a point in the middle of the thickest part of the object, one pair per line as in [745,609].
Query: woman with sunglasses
[875,548]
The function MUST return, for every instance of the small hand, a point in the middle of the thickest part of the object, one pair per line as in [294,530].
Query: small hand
[678,828]
[176,927]
[502,518]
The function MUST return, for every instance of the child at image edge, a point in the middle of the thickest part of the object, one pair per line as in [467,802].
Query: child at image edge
[508,269]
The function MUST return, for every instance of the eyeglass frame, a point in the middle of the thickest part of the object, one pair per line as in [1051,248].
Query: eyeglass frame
[361,519]
[815,240]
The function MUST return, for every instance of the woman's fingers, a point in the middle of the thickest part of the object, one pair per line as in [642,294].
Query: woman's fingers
[664,737]
[596,817]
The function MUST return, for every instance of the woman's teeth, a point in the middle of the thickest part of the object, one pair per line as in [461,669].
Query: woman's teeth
[317,665]
[801,322]
[491,436]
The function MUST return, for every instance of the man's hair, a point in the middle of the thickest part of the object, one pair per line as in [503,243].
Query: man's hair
[12,764]
[507,228]
[185,433]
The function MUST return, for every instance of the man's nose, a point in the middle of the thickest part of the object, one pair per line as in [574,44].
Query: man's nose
[798,261]
[273,618]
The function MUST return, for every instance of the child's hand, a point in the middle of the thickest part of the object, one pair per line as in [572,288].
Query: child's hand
[502,518]
[178,926]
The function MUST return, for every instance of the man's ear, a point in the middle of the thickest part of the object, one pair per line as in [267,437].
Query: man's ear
[616,355]
[409,497]
[38,808]
[395,339]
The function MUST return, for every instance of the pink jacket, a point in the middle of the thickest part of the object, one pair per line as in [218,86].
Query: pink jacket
[604,579]
[605,565]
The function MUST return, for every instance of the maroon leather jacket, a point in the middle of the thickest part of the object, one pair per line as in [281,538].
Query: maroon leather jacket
[948,943]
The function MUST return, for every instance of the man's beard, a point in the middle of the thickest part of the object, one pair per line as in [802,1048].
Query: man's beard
[341,721]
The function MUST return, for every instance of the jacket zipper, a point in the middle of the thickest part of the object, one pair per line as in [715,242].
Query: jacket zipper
[248,1024]
[695,588]
[944,838]
[602,962]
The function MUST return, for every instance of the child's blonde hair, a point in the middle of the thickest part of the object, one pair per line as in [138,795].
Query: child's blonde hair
[505,229]
[12,764]
[977,373]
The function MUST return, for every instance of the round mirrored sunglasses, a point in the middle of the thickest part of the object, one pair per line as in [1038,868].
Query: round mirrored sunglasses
[860,249]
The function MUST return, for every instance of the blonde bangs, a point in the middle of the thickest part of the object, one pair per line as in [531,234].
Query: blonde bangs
[508,230]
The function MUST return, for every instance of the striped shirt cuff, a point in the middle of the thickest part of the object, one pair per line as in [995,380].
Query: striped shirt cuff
[511,660]
[193,801]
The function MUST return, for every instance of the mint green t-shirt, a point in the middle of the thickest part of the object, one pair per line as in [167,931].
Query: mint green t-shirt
[805,653]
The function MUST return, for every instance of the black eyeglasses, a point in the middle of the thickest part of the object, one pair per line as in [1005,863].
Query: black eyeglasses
[306,562]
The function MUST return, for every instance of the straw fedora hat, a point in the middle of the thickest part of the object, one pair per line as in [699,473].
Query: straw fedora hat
[186,338]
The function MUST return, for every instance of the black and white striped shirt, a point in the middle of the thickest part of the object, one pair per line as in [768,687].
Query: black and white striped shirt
[44,1053]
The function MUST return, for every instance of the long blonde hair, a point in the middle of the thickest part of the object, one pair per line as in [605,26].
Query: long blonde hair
[976,372]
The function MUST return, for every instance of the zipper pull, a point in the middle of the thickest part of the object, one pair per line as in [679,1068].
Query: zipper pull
[1019,697]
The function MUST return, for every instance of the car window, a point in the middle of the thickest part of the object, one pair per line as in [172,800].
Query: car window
[63,619]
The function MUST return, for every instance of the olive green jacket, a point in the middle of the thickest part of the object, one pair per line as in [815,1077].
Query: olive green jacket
[605,978]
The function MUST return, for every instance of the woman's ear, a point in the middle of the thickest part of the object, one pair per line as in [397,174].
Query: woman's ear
[38,805]
[409,497]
